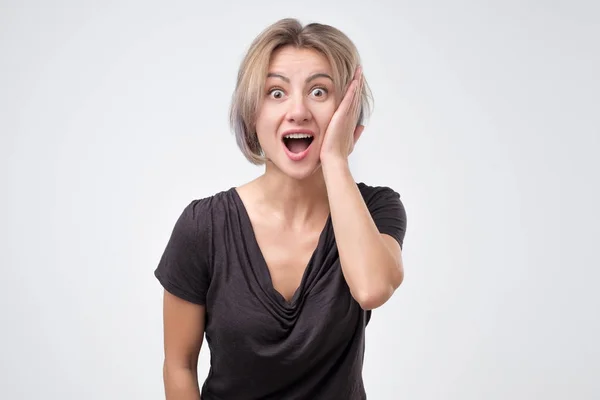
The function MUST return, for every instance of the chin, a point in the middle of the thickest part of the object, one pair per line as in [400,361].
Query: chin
[302,175]
[300,171]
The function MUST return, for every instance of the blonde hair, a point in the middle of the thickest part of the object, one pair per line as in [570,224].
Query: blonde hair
[247,97]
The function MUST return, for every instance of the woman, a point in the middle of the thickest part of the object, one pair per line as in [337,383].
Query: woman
[281,274]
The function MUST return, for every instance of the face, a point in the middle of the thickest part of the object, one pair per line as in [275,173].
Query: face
[298,103]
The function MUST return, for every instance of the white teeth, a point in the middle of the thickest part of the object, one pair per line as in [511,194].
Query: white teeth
[297,136]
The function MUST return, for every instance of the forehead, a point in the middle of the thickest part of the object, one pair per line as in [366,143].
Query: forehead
[298,61]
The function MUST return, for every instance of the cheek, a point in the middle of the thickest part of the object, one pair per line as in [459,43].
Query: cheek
[323,113]
[267,125]
[265,120]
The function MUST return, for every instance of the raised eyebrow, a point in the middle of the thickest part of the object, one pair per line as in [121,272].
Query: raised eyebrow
[310,78]
[273,75]
[319,75]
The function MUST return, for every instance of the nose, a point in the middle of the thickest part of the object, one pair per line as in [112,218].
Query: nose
[298,112]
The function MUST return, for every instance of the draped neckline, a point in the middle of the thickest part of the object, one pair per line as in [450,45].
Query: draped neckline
[259,261]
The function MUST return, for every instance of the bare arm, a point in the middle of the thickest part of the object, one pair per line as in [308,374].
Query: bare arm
[371,262]
[183,336]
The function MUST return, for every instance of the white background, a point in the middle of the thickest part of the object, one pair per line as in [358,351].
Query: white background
[113,116]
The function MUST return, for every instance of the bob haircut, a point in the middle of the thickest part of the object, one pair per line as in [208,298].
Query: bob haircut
[337,48]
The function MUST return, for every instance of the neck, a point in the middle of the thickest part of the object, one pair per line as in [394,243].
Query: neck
[295,202]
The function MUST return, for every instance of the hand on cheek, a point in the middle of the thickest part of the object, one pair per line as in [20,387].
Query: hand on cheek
[343,132]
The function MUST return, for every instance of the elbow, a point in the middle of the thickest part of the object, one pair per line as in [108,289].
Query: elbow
[180,381]
[377,296]
[374,298]
[178,372]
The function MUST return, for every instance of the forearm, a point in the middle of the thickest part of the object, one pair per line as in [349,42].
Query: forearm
[181,383]
[370,270]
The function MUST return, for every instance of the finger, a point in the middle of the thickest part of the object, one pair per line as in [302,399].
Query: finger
[355,84]
[357,72]
[359,94]
[348,101]
[356,104]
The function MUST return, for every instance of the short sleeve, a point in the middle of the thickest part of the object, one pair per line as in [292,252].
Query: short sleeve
[183,266]
[388,211]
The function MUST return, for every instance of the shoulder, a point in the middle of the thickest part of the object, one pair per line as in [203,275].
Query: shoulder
[201,207]
[387,210]
[199,214]
[379,195]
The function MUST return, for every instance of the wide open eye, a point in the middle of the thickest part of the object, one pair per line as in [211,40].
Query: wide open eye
[319,92]
[276,94]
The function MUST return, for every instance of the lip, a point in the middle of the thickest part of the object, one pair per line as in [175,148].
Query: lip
[297,156]
[305,131]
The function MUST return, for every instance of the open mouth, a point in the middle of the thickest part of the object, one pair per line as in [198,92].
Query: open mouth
[297,142]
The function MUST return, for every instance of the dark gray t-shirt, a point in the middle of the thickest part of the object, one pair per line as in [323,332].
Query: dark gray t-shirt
[262,346]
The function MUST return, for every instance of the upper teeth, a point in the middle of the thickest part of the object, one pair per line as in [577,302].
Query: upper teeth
[298,136]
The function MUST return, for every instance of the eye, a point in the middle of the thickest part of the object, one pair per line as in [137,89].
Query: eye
[276,93]
[319,92]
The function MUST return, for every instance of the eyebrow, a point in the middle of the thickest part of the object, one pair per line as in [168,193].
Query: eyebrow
[310,78]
